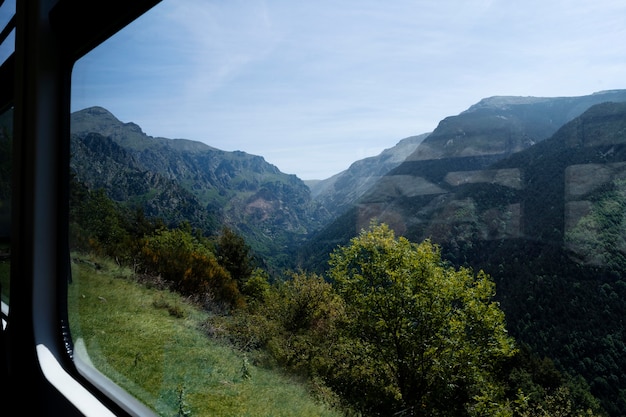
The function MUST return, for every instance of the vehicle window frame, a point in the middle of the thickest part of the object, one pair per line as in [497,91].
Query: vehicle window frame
[50,36]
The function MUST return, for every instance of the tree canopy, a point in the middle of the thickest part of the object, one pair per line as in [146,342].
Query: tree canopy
[432,333]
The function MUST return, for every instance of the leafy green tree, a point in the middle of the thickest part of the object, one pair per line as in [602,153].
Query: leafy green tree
[428,337]
[98,222]
[557,403]
[257,287]
[234,254]
[306,312]
[537,388]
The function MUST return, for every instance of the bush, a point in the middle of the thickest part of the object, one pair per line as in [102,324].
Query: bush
[191,268]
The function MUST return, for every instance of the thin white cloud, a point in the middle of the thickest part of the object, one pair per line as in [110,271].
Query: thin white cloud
[249,75]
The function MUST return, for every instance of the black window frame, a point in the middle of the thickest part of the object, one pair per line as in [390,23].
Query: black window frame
[39,373]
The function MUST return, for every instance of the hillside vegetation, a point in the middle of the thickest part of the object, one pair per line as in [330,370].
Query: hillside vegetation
[398,330]
[153,343]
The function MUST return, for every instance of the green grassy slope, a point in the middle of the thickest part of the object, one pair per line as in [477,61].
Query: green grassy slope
[150,342]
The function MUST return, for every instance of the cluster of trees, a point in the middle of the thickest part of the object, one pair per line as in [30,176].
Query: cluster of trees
[392,329]
[210,269]
[395,330]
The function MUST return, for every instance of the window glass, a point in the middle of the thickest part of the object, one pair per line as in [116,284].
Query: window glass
[154,266]
[354,209]
[7,45]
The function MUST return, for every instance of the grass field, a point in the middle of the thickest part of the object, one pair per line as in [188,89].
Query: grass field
[150,342]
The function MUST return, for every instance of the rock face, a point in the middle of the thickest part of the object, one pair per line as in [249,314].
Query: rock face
[505,125]
[181,180]
[498,192]
[458,155]
[442,189]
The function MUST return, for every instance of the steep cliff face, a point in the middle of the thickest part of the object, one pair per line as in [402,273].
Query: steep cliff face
[455,154]
[420,195]
[441,190]
[501,126]
[185,180]
[499,193]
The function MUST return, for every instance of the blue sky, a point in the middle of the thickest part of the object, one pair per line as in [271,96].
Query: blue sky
[315,86]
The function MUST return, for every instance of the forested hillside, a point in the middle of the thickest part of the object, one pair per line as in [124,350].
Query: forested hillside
[546,222]
[564,291]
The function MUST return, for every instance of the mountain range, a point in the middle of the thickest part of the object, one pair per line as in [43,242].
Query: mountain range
[530,189]
[455,156]
[182,180]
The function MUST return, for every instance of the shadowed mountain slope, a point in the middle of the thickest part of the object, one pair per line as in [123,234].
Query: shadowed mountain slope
[547,222]
[455,154]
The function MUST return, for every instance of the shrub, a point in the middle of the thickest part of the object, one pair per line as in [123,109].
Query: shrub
[192,269]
